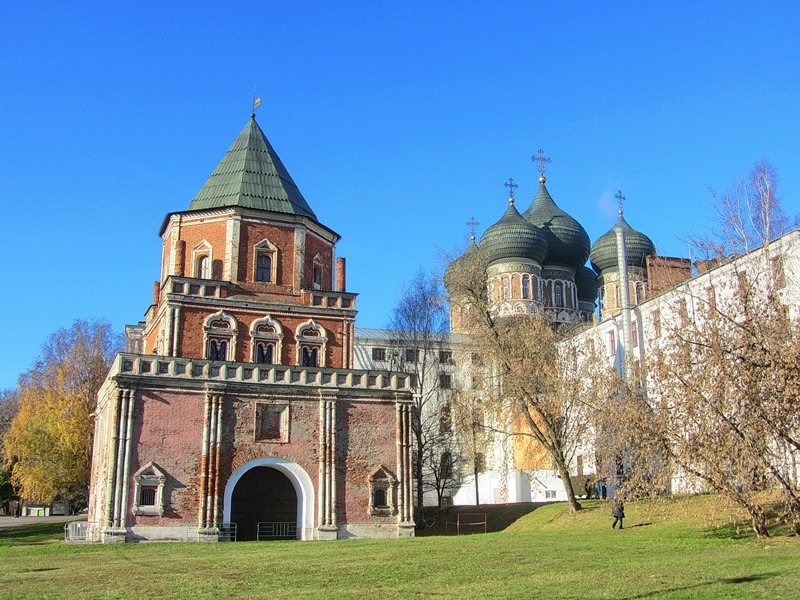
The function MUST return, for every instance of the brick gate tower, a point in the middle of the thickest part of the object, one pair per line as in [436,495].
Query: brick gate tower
[235,406]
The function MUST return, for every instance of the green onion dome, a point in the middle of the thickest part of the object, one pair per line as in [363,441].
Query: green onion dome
[637,247]
[513,237]
[567,241]
[588,284]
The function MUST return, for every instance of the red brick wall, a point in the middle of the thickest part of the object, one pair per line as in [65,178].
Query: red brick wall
[280,237]
[194,233]
[192,335]
[314,246]
[168,430]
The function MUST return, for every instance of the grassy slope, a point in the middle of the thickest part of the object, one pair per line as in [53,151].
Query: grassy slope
[547,553]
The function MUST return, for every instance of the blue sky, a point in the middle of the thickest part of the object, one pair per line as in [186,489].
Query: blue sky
[398,120]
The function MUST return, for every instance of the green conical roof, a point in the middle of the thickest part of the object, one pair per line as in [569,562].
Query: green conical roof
[513,237]
[637,247]
[251,175]
[567,241]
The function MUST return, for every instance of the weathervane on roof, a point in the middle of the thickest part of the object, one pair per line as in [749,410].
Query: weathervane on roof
[511,186]
[541,159]
[620,199]
[472,224]
[256,102]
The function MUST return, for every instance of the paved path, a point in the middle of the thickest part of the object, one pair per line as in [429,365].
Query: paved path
[7,522]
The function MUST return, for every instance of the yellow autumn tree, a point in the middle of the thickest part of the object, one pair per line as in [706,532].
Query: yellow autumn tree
[49,443]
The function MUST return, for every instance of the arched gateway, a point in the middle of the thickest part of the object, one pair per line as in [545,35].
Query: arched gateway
[270,490]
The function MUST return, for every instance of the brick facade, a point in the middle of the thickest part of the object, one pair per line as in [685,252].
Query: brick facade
[243,366]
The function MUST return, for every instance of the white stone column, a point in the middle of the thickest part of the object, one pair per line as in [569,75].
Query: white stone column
[233,227]
[327,528]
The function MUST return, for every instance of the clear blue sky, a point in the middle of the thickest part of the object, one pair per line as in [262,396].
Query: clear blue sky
[398,120]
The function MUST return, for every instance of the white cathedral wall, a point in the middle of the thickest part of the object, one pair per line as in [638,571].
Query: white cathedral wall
[501,482]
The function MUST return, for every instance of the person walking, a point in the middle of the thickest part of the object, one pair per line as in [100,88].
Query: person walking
[618,512]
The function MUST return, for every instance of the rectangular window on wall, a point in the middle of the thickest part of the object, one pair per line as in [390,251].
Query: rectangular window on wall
[379,354]
[271,422]
[657,323]
[612,343]
[445,381]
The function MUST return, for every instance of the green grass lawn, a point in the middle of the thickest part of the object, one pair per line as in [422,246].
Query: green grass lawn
[669,549]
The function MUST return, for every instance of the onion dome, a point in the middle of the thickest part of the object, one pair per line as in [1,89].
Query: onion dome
[513,237]
[637,247]
[567,241]
[588,284]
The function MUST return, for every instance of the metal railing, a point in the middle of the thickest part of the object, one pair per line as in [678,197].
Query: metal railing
[276,530]
[85,531]
[219,532]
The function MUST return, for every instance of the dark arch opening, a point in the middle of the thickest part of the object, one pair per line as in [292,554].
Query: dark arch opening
[263,495]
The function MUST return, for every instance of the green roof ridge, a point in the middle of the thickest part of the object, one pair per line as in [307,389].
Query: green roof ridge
[251,175]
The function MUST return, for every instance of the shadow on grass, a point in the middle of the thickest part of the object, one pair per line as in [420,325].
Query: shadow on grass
[498,517]
[742,529]
[724,580]
[25,535]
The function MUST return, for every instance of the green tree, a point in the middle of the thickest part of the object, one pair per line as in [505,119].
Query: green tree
[49,441]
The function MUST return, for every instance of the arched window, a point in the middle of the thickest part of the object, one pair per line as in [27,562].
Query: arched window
[309,356]
[382,492]
[526,282]
[265,261]
[220,337]
[201,260]
[446,466]
[265,353]
[506,287]
[264,267]
[217,350]
[316,273]
[266,337]
[312,342]
[558,295]
[203,267]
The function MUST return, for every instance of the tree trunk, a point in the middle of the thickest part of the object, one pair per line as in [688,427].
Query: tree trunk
[418,476]
[759,522]
[574,505]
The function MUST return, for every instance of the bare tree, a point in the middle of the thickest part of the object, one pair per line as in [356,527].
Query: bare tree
[723,381]
[745,216]
[537,377]
[420,323]
[9,406]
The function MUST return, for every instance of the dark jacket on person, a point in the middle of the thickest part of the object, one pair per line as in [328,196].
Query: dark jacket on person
[618,510]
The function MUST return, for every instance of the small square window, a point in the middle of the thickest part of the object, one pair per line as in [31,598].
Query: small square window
[147,496]
[445,381]
[271,423]
[412,355]
[445,357]
[379,354]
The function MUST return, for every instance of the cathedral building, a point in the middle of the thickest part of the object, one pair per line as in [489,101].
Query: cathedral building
[235,409]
